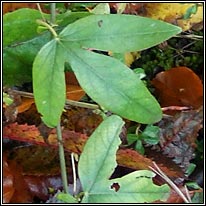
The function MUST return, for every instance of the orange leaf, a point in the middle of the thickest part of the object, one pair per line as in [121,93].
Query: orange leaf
[26,133]
[179,86]
[25,104]
[74,92]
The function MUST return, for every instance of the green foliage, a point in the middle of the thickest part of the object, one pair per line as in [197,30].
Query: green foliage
[117,33]
[6,99]
[20,25]
[113,80]
[110,78]
[191,10]
[149,135]
[49,72]
[97,165]
[18,59]
[22,42]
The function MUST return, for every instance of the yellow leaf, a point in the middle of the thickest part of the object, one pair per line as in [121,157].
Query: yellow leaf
[174,12]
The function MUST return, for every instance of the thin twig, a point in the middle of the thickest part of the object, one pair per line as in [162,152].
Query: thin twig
[74,173]
[68,101]
[167,179]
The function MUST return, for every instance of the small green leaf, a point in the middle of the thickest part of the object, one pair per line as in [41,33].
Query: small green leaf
[67,198]
[98,160]
[131,138]
[105,78]
[118,33]
[139,147]
[151,134]
[49,82]
[191,10]
[6,99]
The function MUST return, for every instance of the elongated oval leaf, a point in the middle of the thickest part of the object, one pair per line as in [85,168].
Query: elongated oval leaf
[98,159]
[114,86]
[118,33]
[49,82]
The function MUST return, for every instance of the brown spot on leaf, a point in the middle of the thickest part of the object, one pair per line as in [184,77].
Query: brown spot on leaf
[115,186]
[100,22]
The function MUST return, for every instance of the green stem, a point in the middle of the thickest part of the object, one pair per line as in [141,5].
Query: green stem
[62,159]
[59,131]
[42,14]
[53,13]
[40,22]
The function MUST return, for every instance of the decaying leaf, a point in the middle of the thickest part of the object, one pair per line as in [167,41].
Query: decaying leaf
[74,142]
[21,191]
[8,182]
[174,13]
[179,86]
[27,133]
[132,159]
[178,136]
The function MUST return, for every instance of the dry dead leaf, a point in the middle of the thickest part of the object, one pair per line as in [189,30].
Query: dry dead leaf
[173,13]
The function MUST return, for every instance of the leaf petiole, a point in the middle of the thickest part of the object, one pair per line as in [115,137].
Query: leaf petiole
[43,23]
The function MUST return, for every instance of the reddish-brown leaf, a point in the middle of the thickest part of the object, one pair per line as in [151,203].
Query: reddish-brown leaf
[21,192]
[9,7]
[37,160]
[178,135]
[134,160]
[74,142]
[26,133]
[8,182]
[179,86]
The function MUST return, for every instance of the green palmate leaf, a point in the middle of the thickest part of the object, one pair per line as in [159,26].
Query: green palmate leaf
[20,25]
[49,82]
[114,86]
[97,162]
[118,33]
[22,42]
